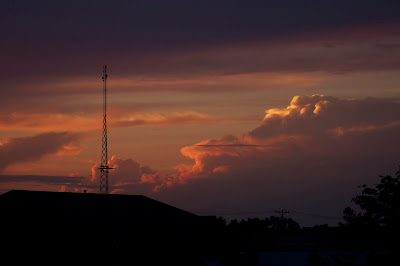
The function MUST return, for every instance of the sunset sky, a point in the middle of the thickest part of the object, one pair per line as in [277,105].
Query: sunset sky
[216,107]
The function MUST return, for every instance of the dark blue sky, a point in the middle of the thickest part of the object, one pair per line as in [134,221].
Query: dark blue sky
[63,31]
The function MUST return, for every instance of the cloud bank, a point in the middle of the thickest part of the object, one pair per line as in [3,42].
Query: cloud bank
[26,149]
[126,176]
[318,147]
[82,122]
[315,130]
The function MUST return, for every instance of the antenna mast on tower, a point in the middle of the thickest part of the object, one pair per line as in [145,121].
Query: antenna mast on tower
[104,157]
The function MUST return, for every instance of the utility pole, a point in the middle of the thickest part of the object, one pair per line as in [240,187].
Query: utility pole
[282,213]
[104,168]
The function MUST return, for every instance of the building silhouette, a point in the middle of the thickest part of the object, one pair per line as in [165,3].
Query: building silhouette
[85,228]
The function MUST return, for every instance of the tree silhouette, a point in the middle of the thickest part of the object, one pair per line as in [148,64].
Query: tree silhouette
[380,205]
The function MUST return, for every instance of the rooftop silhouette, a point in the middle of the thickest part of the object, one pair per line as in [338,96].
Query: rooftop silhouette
[97,228]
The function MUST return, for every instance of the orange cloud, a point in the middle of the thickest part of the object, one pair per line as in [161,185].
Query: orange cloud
[69,150]
[308,127]
[341,131]
[74,175]
[63,122]
[156,119]
[270,79]
[47,122]
[302,106]
[126,172]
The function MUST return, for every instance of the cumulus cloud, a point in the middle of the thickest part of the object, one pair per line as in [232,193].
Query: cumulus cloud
[318,147]
[312,133]
[127,174]
[310,156]
[26,149]
[317,114]
[315,124]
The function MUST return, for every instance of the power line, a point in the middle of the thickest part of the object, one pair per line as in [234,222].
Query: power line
[233,213]
[282,212]
[317,215]
[266,212]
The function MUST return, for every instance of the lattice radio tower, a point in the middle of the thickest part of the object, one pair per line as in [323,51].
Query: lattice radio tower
[104,168]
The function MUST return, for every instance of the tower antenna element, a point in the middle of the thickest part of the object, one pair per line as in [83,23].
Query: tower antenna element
[104,168]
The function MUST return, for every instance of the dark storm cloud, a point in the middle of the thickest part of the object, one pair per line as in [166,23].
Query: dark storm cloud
[27,149]
[174,21]
[50,37]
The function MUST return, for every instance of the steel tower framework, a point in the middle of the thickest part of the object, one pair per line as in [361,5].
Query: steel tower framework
[104,167]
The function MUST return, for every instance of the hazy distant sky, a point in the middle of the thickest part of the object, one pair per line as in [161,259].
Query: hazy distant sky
[214,106]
